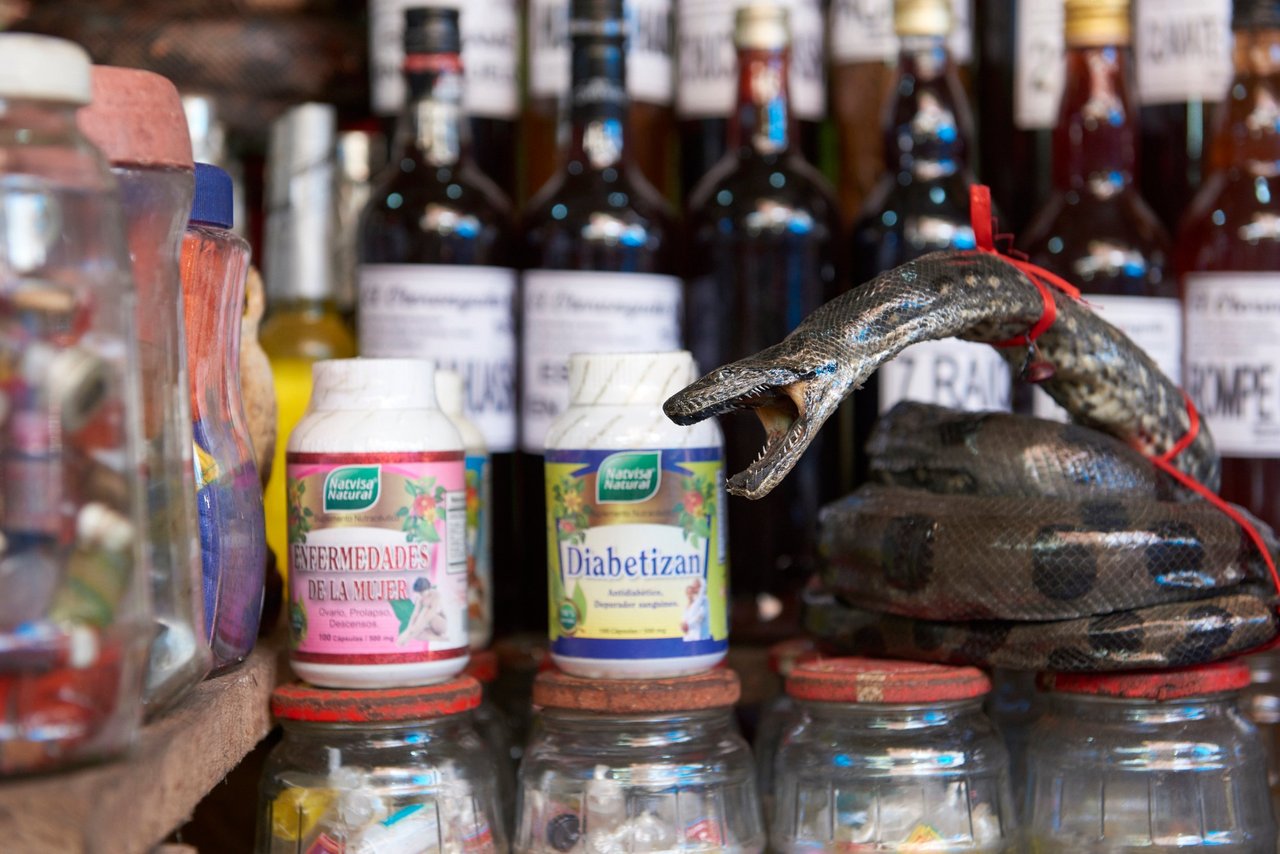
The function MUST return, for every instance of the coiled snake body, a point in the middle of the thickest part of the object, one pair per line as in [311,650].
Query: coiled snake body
[997,539]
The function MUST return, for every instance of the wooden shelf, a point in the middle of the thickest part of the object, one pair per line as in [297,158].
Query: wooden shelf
[133,804]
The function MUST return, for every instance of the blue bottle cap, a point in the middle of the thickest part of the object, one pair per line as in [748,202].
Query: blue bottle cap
[212,204]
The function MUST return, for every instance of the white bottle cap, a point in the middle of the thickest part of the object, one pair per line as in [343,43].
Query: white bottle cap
[449,392]
[43,68]
[628,379]
[373,384]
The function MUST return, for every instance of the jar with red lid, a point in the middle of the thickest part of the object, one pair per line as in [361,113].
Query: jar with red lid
[891,756]
[396,771]
[630,766]
[776,716]
[1148,762]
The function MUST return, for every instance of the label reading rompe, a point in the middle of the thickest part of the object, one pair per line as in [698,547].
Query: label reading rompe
[637,560]
[377,557]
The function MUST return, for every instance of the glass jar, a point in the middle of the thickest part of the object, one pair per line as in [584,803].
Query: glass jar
[1148,762]
[75,622]
[776,716]
[136,119]
[233,547]
[891,756]
[494,729]
[621,765]
[397,771]
[1261,704]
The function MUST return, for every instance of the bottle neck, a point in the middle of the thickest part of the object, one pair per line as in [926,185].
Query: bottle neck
[1096,138]
[928,129]
[433,125]
[1248,132]
[598,103]
[762,120]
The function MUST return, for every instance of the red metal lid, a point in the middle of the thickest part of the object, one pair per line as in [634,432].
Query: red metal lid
[299,701]
[1215,678]
[871,680]
[785,655]
[713,690]
[483,666]
[136,119]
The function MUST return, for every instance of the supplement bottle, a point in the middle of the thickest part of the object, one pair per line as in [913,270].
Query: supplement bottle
[377,529]
[636,538]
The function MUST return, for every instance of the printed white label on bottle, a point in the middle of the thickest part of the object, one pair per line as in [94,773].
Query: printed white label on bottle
[708,79]
[461,318]
[490,45]
[960,42]
[649,65]
[1039,69]
[952,373]
[571,311]
[1232,359]
[1153,323]
[862,31]
[1183,50]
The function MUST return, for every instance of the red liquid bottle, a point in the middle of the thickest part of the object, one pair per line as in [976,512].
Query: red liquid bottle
[1228,262]
[1095,230]
[763,225]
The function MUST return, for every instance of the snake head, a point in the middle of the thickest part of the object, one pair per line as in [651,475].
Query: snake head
[792,402]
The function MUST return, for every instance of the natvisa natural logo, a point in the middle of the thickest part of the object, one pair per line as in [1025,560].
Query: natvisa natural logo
[352,488]
[629,477]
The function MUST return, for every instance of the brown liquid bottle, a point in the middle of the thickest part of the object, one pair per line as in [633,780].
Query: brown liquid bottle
[599,269]
[649,85]
[763,225]
[1228,262]
[1095,230]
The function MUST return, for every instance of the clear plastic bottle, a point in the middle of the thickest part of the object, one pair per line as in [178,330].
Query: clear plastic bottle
[635,514]
[891,756]
[136,120]
[379,772]
[622,765]
[75,620]
[1148,762]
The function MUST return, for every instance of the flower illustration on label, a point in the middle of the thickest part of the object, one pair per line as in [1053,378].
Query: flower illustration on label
[420,519]
[697,508]
[300,518]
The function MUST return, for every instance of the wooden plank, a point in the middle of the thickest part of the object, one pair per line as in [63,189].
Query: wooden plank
[131,805]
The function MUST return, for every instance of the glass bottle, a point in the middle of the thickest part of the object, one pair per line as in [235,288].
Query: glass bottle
[1095,230]
[1147,762]
[375,772]
[598,275]
[1227,254]
[491,95]
[302,324]
[762,229]
[361,156]
[437,252]
[136,120]
[75,621]
[650,86]
[215,264]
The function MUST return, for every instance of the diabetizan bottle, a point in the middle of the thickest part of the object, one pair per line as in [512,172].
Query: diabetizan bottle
[377,529]
[638,570]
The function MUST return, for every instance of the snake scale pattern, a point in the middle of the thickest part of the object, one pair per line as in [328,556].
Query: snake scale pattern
[1001,540]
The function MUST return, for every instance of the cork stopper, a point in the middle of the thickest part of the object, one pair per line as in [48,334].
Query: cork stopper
[922,17]
[301,702]
[136,119]
[713,690]
[869,680]
[1097,23]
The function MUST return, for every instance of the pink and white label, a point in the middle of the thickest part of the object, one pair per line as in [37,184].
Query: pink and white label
[377,557]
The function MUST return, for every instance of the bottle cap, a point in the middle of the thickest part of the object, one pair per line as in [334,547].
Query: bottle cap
[922,17]
[212,204]
[431,30]
[356,383]
[628,379]
[1161,685]
[449,392]
[1096,23]
[785,655]
[301,210]
[43,68]
[712,690]
[761,26]
[1255,14]
[870,680]
[136,119]
[301,702]
[483,666]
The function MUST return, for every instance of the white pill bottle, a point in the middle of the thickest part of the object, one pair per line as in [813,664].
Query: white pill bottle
[636,536]
[377,529]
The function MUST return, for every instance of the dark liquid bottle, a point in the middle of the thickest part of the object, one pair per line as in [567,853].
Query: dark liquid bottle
[1095,230]
[436,260]
[1228,261]
[490,43]
[1183,53]
[763,225]
[650,86]
[598,269]
[705,83]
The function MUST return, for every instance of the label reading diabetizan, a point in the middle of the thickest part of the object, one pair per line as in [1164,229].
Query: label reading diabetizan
[377,557]
[636,553]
